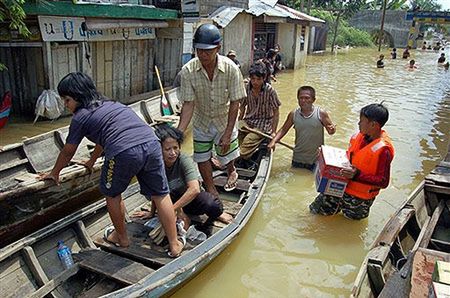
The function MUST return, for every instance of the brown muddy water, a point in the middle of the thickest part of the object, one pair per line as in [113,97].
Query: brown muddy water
[284,251]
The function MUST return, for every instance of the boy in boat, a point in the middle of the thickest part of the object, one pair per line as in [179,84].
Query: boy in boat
[370,154]
[131,149]
[259,110]
[309,122]
[211,88]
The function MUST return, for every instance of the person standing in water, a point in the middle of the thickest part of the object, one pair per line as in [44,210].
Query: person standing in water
[309,122]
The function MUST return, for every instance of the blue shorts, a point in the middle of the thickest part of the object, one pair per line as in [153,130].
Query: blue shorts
[144,161]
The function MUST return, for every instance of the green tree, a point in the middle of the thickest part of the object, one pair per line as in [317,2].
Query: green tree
[391,4]
[426,5]
[341,9]
[12,11]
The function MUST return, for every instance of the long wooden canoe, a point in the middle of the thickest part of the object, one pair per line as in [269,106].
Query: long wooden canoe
[23,198]
[30,266]
[402,258]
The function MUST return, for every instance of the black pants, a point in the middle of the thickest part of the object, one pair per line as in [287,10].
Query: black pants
[205,203]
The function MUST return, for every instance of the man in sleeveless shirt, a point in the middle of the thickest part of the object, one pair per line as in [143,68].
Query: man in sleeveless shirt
[309,122]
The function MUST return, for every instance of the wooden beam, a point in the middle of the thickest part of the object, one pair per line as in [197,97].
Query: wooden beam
[54,283]
[35,266]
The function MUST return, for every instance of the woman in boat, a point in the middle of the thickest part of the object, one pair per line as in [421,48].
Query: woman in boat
[184,181]
[131,149]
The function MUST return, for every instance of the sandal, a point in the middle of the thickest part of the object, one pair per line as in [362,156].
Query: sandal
[182,239]
[231,183]
[108,231]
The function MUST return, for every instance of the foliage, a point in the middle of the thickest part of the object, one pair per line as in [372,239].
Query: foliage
[12,10]
[426,5]
[346,35]
[390,5]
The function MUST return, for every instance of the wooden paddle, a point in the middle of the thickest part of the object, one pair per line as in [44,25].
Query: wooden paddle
[267,136]
[165,108]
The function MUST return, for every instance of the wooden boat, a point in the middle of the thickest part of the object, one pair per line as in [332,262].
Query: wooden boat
[30,266]
[402,258]
[5,108]
[23,197]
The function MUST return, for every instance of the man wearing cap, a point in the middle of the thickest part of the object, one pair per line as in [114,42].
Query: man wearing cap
[211,88]
[232,55]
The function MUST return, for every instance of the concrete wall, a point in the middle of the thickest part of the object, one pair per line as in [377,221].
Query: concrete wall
[237,36]
[300,55]
[395,24]
[285,38]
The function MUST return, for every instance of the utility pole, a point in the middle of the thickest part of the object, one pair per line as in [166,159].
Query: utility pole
[382,25]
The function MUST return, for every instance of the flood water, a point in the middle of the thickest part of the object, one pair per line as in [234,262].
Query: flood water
[284,251]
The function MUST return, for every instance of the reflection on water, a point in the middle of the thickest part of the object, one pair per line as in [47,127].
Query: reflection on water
[287,252]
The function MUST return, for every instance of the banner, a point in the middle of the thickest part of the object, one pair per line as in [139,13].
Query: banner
[74,29]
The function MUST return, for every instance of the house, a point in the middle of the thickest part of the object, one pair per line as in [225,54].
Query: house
[252,27]
[117,44]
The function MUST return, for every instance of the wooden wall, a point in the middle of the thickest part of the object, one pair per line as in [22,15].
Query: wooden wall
[120,69]
[24,77]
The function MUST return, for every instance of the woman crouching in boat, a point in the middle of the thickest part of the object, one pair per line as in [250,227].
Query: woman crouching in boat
[184,182]
[131,149]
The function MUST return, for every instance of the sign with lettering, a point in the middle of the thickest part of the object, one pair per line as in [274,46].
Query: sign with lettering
[74,29]
[190,10]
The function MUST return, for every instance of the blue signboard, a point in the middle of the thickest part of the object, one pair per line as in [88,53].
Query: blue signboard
[410,15]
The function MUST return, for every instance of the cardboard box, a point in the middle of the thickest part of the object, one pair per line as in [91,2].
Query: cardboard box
[441,272]
[329,164]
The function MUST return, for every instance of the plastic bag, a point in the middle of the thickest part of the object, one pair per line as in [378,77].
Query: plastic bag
[49,105]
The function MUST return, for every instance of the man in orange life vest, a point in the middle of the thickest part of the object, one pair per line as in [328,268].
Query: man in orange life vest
[370,154]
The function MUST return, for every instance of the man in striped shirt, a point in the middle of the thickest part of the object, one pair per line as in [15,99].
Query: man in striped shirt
[259,110]
[211,88]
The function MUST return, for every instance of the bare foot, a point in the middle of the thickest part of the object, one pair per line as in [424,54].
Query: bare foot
[114,238]
[225,218]
[176,250]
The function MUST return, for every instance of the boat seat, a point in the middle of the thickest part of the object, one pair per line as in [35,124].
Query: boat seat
[115,267]
[241,184]
[141,248]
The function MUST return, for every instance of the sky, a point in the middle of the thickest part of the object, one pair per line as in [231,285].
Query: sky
[445,4]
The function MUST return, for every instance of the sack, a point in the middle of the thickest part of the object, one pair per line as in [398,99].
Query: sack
[49,105]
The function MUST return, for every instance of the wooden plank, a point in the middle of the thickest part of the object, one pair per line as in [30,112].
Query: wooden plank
[437,189]
[48,64]
[12,164]
[54,283]
[112,266]
[394,226]
[241,184]
[35,267]
[433,221]
[100,66]
[83,235]
[134,68]
[127,68]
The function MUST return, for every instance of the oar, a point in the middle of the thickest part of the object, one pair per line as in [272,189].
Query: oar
[267,136]
[164,103]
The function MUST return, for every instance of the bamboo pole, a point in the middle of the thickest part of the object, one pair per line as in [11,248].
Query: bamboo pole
[267,136]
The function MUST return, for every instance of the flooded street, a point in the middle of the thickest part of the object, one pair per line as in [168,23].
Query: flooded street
[287,252]
[284,251]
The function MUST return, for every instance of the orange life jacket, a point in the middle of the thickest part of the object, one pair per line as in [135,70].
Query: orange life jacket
[366,160]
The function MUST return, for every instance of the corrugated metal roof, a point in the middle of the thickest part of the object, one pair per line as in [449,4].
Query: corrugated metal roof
[225,14]
[300,14]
